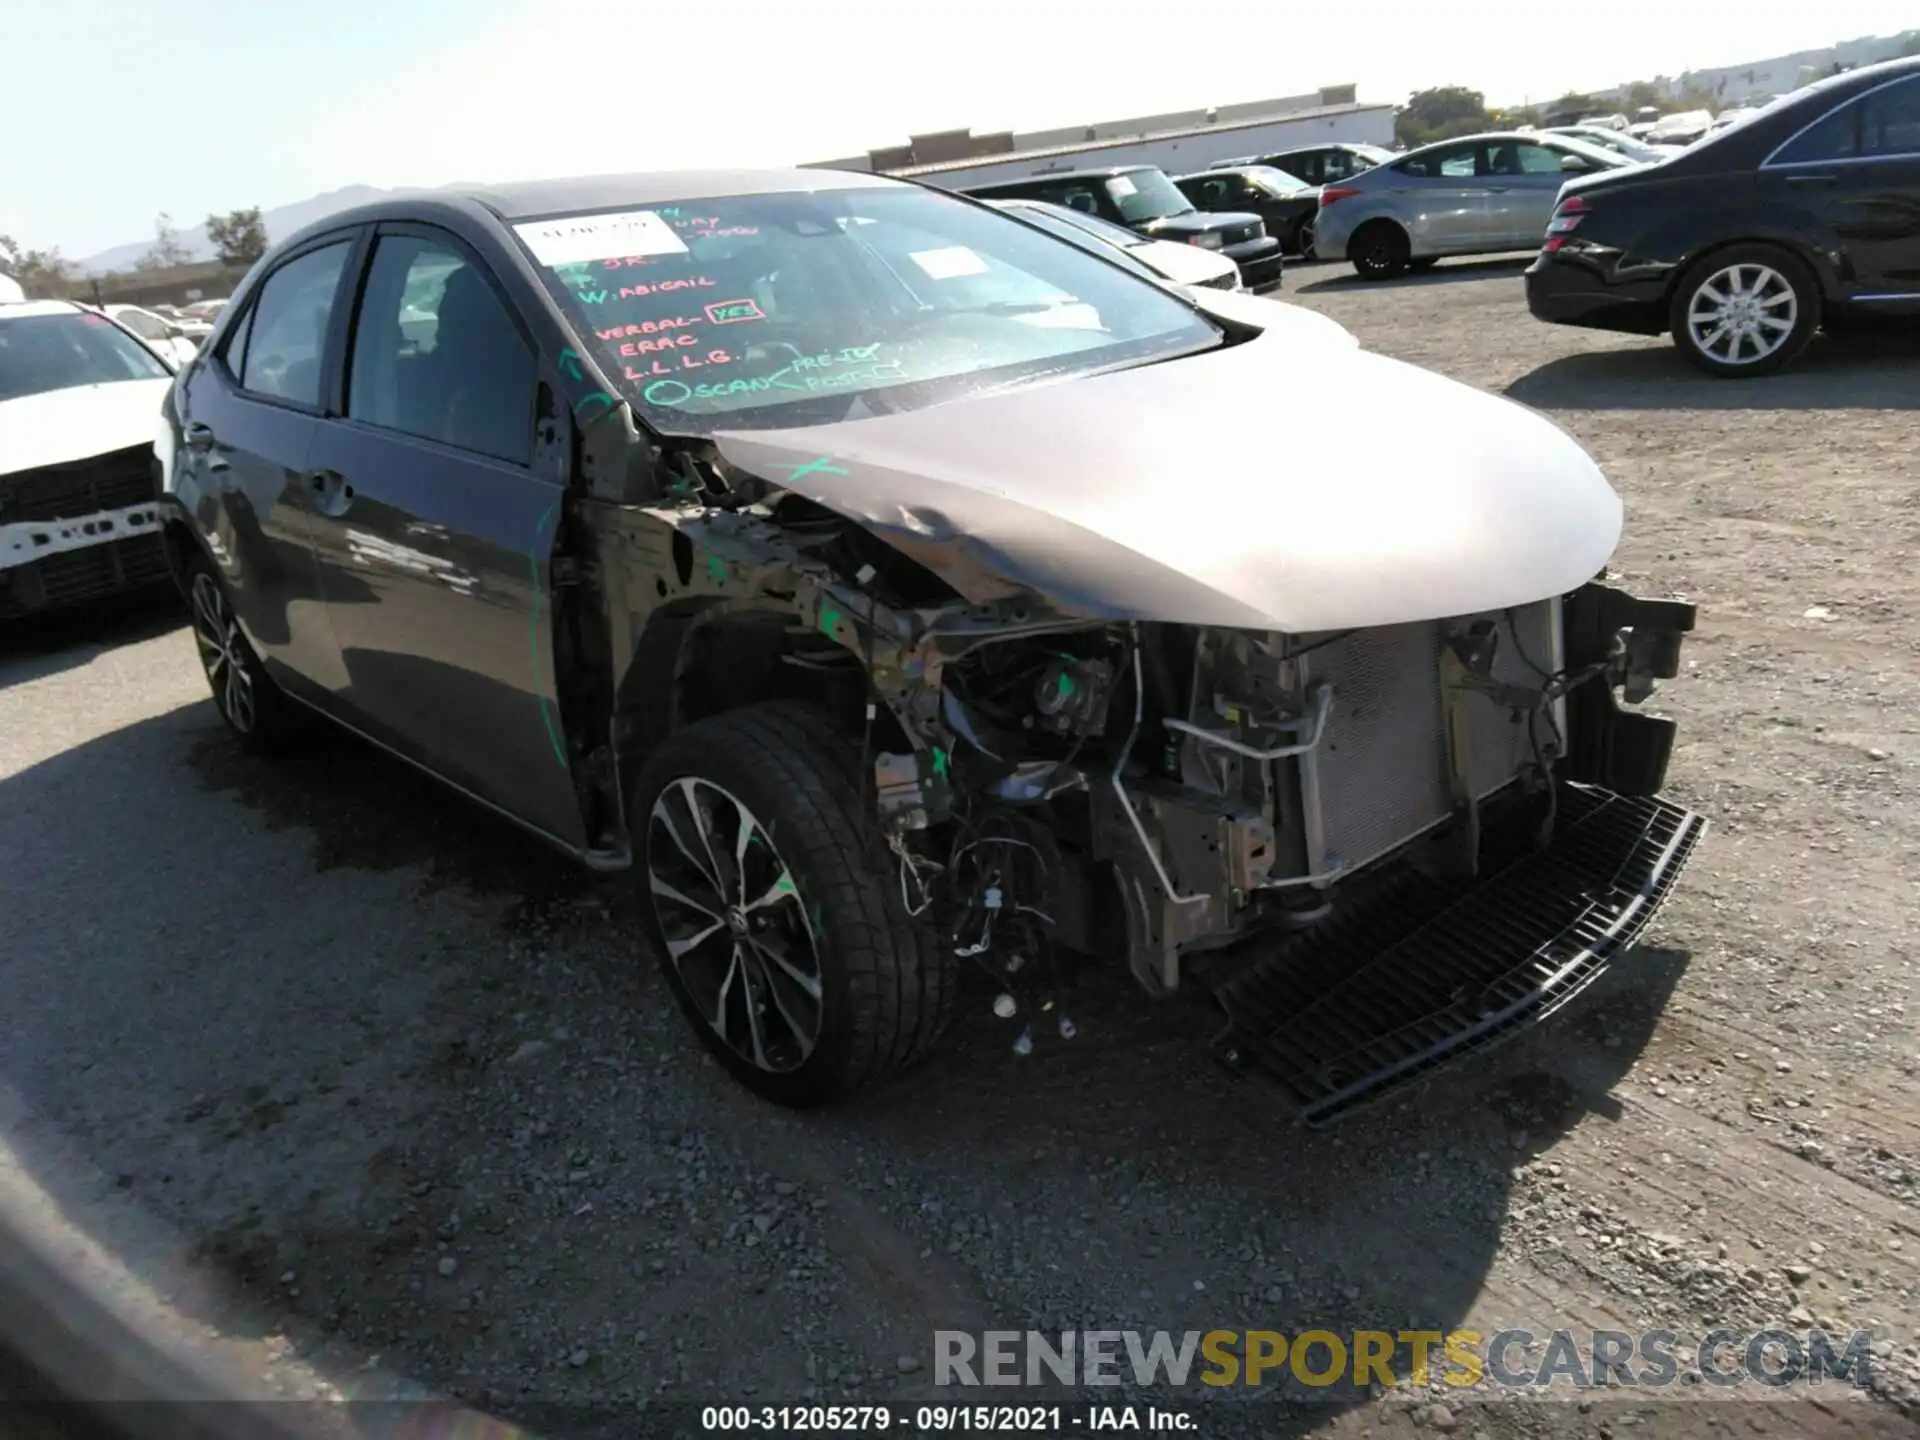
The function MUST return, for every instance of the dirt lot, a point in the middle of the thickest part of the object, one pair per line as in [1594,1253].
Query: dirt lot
[350,1074]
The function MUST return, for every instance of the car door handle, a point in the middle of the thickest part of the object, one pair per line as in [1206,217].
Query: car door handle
[1811,179]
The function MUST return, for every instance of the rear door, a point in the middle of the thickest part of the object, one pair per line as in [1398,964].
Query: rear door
[251,415]
[1523,181]
[435,531]
[1441,197]
[1856,173]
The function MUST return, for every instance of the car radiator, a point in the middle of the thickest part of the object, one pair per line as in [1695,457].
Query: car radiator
[1380,776]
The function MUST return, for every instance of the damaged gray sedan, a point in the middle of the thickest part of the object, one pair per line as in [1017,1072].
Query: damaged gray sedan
[895,588]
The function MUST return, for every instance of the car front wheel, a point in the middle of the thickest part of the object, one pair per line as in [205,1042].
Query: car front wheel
[777,917]
[256,711]
[1744,311]
[1379,250]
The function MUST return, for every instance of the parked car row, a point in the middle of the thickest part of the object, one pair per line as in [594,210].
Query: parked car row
[1144,199]
[1806,213]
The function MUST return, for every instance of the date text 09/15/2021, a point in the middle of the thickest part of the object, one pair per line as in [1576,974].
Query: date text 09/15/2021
[945,1419]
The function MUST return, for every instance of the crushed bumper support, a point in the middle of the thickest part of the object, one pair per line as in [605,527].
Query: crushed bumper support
[1422,974]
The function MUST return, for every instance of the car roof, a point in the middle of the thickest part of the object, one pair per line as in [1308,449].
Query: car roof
[18,308]
[583,194]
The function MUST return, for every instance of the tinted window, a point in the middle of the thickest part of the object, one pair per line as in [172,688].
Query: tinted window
[57,352]
[806,307]
[1209,194]
[436,355]
[1890,120]
[1835,137]
[289,329]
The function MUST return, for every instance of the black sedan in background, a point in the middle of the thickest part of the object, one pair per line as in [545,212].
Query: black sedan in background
[1142,198]
[1745,244]
[1287,203]
[1318,164]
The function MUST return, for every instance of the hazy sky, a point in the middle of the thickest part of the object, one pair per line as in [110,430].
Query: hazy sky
[114,110]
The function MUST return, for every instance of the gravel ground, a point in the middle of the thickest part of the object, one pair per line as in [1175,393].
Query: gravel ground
[346,1073]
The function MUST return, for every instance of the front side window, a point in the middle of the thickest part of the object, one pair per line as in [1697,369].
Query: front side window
[436,355]
[39,353]
[803,308]
[287,336]
[1143,195]
[1208,194]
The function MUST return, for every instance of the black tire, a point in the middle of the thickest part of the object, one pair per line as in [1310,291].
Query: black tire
[1423,263]
[1301,241]
[1782,289]
[256,712]
[886,987]
[1379,250]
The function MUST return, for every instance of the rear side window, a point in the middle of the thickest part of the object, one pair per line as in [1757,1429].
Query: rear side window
[1890,120]
[1836,136]
[1449,163]
[1882,123]
[436,355]
[287,335]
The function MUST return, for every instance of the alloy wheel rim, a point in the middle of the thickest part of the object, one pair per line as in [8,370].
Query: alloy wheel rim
[734,926]
[222,653]
[1306,241]
[1742,314]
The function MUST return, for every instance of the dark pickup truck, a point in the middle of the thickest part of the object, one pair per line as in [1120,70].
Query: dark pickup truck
[1143,199]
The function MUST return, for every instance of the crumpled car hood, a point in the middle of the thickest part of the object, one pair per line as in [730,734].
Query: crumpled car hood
[1272,485]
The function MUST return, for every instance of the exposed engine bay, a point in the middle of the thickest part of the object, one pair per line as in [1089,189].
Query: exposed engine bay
[1050,781]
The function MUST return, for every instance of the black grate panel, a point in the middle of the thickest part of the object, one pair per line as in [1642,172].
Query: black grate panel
[78,576]
[1422,974]
[80,487]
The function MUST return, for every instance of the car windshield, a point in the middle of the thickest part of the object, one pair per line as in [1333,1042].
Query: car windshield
[58,352]
[801,308]
[1144,195]
[1274,181]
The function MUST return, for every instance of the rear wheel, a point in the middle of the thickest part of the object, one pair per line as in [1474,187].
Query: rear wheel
[257,712]
[777,918]
[1744,310]
[1379,250]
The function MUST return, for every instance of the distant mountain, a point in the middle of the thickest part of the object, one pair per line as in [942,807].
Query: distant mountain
[281,222]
